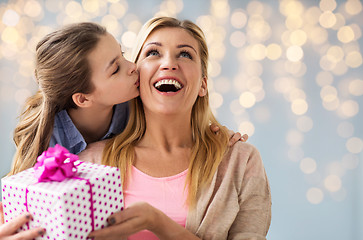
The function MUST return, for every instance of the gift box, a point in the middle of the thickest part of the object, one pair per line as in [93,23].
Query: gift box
[68,209]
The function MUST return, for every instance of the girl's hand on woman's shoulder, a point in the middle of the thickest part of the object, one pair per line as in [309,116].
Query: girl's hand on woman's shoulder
[235,137]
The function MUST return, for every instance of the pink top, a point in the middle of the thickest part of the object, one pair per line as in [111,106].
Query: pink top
[166,194]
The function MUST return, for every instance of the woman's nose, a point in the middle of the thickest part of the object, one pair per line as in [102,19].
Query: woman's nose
[169,63]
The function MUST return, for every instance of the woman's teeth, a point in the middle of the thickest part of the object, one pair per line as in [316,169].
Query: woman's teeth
[168,85]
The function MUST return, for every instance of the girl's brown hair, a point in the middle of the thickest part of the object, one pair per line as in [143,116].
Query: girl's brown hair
[61,70]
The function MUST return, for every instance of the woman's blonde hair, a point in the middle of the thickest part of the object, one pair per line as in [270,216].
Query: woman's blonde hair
[61,70]
[208,148]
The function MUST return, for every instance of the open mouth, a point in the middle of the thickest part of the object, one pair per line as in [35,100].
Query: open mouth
[168,85]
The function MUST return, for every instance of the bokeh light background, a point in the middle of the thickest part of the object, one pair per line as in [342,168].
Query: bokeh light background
[289,73]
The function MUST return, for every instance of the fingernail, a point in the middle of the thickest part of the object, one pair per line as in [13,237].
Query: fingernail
[90,237]
[28,216]
[41,232]
[111,221]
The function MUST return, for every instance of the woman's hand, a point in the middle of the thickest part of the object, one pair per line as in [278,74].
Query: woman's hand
[8,230]
[235,136]
[140,216]
[133,219]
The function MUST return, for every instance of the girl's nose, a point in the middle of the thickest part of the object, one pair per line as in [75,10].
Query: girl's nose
[132,68]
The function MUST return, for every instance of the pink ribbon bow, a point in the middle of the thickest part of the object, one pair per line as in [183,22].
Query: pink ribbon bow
[55,164]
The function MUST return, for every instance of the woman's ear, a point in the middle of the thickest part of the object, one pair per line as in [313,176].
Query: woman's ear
[203,88]
[81,100]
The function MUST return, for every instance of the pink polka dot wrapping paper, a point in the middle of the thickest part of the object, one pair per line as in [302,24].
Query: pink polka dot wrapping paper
[64,208]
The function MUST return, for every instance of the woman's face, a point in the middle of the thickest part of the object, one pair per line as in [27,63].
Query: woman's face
[170,71]
[114,78]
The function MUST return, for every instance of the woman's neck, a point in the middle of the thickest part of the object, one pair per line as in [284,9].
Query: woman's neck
[92,123]
[167,142]
[167,132]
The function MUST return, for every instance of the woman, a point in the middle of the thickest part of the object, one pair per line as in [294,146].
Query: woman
[180,180]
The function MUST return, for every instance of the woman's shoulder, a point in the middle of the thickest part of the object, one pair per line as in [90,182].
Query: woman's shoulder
[243,156]
[243,150]
[93,152]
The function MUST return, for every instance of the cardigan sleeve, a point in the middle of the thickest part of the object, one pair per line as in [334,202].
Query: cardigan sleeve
[237,204]
[254,198]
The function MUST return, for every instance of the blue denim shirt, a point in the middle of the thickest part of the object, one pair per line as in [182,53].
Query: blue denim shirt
[67,135]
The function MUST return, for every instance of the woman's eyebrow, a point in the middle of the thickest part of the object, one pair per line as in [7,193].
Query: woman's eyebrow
[153,43]
[188,46]
[179,46]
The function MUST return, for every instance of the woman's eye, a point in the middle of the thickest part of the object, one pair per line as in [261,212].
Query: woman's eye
[118,68]
[152,53]
[185,54]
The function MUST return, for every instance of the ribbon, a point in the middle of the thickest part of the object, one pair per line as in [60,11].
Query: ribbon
[58,164]
[55,164]
[90,199]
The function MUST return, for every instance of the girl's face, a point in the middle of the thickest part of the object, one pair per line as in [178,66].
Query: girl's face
[170,71]
[115,79]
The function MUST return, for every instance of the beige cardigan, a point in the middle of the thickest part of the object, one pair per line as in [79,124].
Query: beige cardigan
[237,204]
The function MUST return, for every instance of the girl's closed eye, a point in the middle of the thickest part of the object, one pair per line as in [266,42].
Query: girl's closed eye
[117,69]
[185,54]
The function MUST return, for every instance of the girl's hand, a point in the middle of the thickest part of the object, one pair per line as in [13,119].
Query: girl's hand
[235,136]
[8,230]
[140,216]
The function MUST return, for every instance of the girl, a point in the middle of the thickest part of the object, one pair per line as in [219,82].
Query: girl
[84,84]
